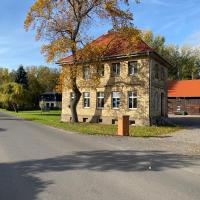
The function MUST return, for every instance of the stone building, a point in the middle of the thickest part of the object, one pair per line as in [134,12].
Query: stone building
[132,83]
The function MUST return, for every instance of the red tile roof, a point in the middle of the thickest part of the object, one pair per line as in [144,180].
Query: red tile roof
[116,45]
[185,88]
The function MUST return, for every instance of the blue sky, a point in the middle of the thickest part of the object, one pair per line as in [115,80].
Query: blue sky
[177,20]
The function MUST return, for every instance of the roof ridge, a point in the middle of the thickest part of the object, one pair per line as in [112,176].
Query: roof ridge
[116,48]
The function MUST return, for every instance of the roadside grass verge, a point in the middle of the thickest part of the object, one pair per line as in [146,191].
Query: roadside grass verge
[52,118]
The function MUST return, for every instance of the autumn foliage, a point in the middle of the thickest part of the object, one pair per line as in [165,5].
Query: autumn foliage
[64,25]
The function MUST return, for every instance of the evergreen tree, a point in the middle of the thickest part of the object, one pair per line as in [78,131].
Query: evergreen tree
[21,77]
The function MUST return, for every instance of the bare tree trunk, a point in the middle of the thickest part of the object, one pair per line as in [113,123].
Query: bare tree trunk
[192,75]
[74,103]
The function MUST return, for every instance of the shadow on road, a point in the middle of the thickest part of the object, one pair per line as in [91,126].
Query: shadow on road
[2,129]
[21,180]
[187,122]
[12,119]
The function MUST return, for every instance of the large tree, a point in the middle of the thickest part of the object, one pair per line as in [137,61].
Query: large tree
[4,76]
[65,24]
[11,95]
[157,42]
[41,79]
[185,60]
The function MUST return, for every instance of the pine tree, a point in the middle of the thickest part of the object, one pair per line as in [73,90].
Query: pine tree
[21,77]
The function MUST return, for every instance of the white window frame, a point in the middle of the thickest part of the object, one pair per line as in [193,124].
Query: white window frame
[132,97]
[134,68]
[116,96]
[86,72]
[116,72]
[86,97]
[100,96]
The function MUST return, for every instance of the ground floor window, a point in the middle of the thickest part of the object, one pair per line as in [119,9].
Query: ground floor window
[115,99]
[100,99]
[86,100]
[132,100]
[52,105]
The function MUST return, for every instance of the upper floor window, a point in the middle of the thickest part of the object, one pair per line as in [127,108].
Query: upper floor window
[100,99]
[86,100]
[132,100]
[162,74]
[156,71]
[115,69]
[132,68]
[115,99]
[86,72]
[100,70]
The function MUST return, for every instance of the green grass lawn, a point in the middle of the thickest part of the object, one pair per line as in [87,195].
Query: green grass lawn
[52,118]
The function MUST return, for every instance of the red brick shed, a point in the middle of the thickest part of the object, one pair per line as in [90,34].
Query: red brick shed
[184,95]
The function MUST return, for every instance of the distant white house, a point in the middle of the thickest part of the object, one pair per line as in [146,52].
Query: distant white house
[51,100]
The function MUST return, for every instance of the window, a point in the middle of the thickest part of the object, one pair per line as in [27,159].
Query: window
[156,100]
[100,70]
[115,99]
[132,68]
[162,74]
[86,72]
[114,121]
[86,99]
[72,95]
[100,99]
[52,105]
[132,100]
[156,71]
[85,120]
[115,69]
[100,120]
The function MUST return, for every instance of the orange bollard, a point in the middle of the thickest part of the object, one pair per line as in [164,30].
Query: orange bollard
[123,126]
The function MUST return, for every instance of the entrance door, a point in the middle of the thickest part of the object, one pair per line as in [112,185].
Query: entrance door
[162,104]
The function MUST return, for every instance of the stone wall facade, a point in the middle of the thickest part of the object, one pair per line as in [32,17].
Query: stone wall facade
[141,83]
[158,93]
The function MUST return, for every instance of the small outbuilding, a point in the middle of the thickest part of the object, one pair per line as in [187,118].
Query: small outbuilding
[184,97]
[51,100]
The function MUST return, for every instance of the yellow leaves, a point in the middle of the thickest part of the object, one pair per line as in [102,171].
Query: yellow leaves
[60,23]
[59,87]
[37,10]
[55,49]
[11,92]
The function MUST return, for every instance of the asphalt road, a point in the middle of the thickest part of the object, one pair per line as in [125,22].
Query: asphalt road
[39,162]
